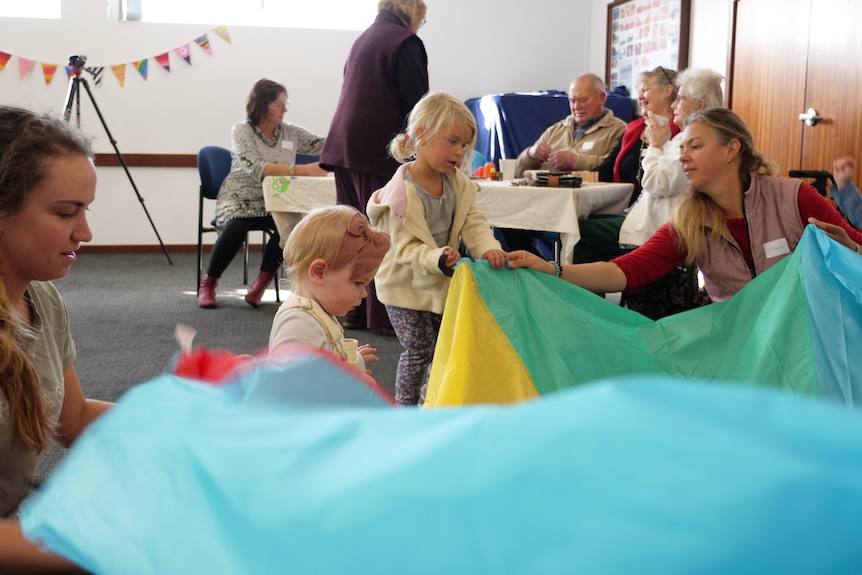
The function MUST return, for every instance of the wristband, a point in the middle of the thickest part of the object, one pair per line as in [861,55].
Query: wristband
[292,171]
[858,249]
[558,269]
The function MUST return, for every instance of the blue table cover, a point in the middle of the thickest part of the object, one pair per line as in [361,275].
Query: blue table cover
[508,123]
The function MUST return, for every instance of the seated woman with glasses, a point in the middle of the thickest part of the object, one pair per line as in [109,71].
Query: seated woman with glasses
[262,145]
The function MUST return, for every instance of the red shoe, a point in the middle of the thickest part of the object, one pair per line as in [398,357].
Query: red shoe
[206,292]
[258,287]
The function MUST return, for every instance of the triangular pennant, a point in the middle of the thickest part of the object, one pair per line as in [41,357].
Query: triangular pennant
[97,74]
[164,61]
[24,66]
[4,57]
[120,72]
[202,41]
[183,52]
[221,31]
[141,67]
[48,70]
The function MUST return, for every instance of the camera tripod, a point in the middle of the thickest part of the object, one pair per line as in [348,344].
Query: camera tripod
[73,97]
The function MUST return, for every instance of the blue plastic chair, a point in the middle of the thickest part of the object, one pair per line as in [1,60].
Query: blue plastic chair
[213,168]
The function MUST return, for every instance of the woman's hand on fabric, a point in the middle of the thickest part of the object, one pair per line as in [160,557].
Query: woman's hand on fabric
[837,233]
[525,259]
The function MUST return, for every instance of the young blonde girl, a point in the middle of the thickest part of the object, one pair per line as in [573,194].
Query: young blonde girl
[330,256]
[427,207]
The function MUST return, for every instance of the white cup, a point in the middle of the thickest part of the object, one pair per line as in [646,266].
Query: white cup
[507,168]
[350,348]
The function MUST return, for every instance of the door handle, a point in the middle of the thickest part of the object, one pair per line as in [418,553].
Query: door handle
[811,117]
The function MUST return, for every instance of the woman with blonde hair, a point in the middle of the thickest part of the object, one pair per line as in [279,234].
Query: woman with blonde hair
[735,221]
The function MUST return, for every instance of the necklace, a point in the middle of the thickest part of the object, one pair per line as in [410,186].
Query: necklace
[275,135]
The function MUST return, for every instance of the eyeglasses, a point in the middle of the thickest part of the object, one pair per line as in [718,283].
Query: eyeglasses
[279,105]
[680,98]
[666,75]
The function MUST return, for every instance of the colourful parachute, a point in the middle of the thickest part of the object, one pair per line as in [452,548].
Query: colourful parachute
[513,335]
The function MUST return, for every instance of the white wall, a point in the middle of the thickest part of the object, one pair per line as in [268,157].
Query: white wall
[474,48]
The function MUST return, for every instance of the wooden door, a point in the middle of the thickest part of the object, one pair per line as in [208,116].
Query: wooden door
[792,55]
[834,85]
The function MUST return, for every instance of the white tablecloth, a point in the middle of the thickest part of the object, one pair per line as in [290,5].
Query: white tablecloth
[550,209]
[505,206]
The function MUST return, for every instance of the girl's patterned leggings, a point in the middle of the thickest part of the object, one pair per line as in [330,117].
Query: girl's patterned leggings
[417,332]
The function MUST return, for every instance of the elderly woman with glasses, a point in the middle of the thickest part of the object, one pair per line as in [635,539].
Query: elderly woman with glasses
[262,145]
[662,180]
[656,94]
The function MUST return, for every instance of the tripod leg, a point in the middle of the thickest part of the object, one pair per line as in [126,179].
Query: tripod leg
[125,167]
[72,96]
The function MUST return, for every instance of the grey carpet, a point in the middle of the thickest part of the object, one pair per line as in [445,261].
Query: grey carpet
[124,307]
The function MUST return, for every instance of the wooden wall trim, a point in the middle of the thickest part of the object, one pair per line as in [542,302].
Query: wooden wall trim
[154,249]
[148,160]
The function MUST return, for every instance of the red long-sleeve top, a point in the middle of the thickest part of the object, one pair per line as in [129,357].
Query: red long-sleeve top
[661,253]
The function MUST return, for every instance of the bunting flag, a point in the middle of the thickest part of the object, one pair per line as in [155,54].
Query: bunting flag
[24,66]
[203,42]
[141,67]
[511,335]
[183,52]
[221,32]
[164,61]
[96,72]
[119,71]
[48,71]
[295,467]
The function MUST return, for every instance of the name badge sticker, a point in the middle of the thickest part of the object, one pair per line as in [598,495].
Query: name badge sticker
[287,144]
[587,146]
[776,248]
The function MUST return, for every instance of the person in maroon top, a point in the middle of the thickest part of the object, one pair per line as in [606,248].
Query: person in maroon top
[386,73]
[735,221]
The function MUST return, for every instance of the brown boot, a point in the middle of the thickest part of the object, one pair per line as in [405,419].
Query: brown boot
[206,292]
[257,287]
